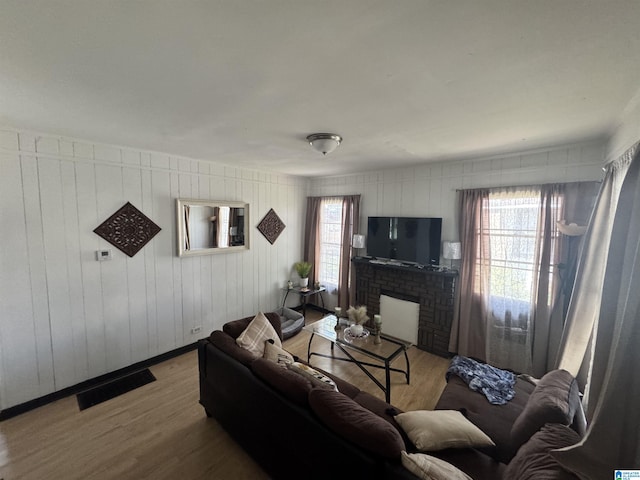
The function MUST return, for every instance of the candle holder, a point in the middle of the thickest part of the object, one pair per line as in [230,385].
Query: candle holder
[377,320]
[338,313]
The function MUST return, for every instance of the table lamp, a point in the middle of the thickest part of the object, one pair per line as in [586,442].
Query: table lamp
[451,251]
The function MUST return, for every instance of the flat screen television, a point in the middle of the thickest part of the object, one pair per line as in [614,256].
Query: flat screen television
[406,239]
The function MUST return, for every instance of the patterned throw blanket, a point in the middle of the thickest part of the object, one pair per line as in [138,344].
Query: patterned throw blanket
[494,383]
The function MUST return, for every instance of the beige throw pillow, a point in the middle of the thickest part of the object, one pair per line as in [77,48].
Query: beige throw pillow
[435,430]
[257,332]
[276,354]
[317,378]
[427,467]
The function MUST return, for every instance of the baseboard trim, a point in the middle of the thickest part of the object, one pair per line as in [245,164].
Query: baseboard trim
[74,389]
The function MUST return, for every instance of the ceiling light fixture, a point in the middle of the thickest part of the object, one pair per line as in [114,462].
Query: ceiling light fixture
[324,142]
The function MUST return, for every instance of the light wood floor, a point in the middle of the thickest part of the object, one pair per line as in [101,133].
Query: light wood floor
[160,431]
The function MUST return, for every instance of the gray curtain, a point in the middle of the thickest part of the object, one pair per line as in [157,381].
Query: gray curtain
[520,339]
[612,440]
[584,306]
[350,225]
[468,330]
[312,236]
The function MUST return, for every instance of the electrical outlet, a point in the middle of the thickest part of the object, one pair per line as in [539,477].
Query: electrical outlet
[195,330]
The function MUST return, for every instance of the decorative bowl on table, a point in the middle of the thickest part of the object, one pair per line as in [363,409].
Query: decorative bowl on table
[349,336]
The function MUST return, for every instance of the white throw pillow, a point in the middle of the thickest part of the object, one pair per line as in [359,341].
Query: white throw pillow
[427,467]
[257,332]
[276,354]
[432,430]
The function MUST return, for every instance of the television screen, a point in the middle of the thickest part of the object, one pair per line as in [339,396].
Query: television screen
[408,239]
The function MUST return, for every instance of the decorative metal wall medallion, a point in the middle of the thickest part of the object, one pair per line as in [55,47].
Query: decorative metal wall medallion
[128,229]
[271,226]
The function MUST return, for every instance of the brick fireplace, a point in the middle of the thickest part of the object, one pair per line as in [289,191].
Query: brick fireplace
[433,290]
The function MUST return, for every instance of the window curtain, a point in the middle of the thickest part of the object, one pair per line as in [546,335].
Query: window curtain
[509,281]
[612,440]
[350,226]
[312,236]
[469,327]
[574,351]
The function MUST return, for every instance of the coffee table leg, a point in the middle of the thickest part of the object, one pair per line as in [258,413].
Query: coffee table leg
[309,349]
[387,375]
[406,358]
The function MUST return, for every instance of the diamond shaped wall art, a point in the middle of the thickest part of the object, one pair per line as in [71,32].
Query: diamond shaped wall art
[271,226]
[128,229]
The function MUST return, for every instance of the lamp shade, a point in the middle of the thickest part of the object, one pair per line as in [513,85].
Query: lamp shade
[358,241]
[451,250]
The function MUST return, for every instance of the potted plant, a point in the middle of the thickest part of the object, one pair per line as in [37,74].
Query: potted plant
[303,269]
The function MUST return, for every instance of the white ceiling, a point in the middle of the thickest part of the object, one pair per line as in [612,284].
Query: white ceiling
[243,82]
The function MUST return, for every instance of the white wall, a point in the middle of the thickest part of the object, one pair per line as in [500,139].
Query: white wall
[627,132]
[429,190]
[64,317]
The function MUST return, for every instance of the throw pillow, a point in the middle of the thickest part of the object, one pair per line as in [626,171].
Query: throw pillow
[554,400]
[257,332]
[317,378]
[356,424]
[427,467]
[236,327]
[534,460]
[439,429]
[276,354]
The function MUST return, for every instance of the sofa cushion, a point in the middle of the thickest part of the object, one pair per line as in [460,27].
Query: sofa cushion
[276,354]
[229,346]
[256,334]
[236,327]
[291,385]
[554,400]
[317,378]
[383,410]
[494,420]
[433,430]
[427,467]
[355,423]
[534,460]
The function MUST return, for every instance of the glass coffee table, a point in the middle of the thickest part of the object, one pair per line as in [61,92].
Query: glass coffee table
[385,352]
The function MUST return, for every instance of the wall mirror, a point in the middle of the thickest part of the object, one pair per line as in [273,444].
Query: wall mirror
[211,226]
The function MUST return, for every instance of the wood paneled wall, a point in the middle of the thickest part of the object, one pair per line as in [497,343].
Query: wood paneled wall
[65,317]
[429,190]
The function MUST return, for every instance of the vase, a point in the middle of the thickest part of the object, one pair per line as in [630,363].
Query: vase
[304,282]
[356,330]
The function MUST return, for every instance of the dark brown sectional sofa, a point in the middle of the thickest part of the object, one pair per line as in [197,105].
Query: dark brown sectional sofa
[295,429]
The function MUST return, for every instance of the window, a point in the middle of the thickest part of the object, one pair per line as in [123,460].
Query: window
[512,241]
[330,241]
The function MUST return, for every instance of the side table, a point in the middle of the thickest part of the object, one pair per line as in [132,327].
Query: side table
[304,294]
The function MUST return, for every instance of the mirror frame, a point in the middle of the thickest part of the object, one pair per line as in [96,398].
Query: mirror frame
[181,202]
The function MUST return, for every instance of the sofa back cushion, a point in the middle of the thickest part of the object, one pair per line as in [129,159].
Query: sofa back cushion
[554,400]
[291,385]
[534,460]
[355,423]
[229,346]
[236,327]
